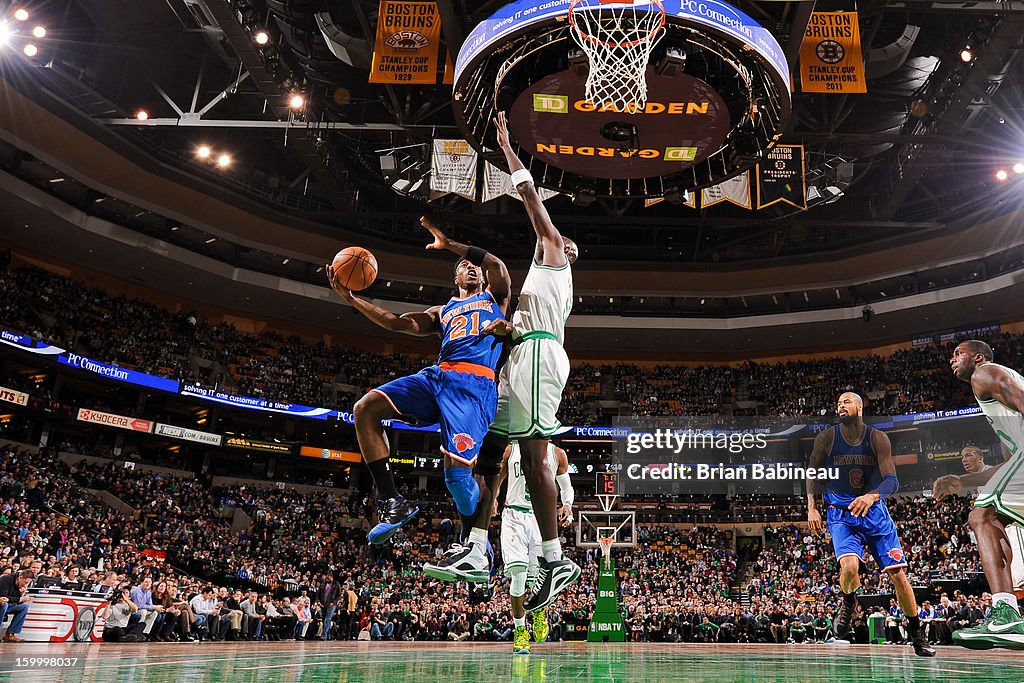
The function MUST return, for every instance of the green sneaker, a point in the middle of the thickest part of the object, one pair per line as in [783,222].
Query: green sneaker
[1003,628]
[521,641]
[540,625]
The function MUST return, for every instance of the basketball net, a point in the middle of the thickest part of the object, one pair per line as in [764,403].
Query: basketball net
[606,549]
[617,36]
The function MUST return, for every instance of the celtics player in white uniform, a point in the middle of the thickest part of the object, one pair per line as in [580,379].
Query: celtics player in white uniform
[1000,394]
[531,383]
[973,460]
[520,536]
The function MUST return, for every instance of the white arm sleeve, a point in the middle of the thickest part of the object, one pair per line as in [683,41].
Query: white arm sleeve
[565,488]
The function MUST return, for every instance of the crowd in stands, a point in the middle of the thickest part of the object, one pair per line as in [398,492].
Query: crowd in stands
[140,335]
[298,555]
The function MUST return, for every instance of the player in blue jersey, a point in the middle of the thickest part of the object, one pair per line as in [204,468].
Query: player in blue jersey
[459,392]
[857,515]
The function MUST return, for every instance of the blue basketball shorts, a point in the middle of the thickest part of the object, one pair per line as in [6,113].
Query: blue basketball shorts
[876,530]
[462,404]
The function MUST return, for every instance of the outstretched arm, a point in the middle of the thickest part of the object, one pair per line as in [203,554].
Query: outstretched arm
[421,324]
[498,279]
[550,249]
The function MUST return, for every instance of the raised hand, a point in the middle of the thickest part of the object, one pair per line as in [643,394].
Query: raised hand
[501,125]
[440,239]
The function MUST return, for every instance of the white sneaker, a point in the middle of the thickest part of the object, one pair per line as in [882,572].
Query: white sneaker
[461,563]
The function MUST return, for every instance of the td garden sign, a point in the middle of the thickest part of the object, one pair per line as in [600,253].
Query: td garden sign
[682,123]
[717,100]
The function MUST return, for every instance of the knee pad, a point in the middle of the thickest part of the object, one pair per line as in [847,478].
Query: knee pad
[517,589]
[488,462]
[464,489]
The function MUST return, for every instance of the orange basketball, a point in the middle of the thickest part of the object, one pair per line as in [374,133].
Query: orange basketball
[355,268]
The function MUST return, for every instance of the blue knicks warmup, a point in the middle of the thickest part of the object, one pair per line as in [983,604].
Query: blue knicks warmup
[858,474]
[460,391]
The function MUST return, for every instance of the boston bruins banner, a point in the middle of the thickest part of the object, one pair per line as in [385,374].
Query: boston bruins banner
[453,168]
[780,177]
[405,51]
[830,57]
[735,190]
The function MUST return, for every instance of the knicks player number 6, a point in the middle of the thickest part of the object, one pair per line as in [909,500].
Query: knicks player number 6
[856,479]
[459,326]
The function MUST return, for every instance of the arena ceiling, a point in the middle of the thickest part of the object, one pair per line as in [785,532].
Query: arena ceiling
[915,157]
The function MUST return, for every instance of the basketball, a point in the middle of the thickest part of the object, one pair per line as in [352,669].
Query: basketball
[355,268]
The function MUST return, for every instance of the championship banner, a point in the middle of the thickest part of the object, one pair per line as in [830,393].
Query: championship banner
[18,398]
[735,190]
[497,183]
[408,34]
[453,168]
[830,56]
[112,420]
[689,199]
[780,177]
[330,454]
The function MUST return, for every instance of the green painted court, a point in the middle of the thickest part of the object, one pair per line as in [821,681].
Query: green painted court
[380,662]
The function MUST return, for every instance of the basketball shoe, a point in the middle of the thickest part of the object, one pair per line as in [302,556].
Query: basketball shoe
[841,625]
[460,563]
[552,578]
[1003,628]
[540,626]
[922,648]
[521,641]
[394,514]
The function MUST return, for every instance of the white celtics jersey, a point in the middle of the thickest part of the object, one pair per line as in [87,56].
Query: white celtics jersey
[1007,422]
[518,494]
[545,301]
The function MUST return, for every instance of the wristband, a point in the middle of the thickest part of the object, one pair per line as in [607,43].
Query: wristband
[476,256]
[888,486]
[521,176]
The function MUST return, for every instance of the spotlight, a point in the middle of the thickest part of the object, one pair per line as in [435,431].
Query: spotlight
[1018,167]
[966,55]
[1001,175]
[262,38]
[672,63]
[296,101]
[579,63]
[21,14]
[203,152]
[31,50]
[224,160]
[5,33]
[142,115]
[39,32]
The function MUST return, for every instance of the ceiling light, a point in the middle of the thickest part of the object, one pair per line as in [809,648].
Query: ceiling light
[210,241]
[56,180]
[31,50]
[1001,175]
[142,115]
[21,14]
[262,38]
[224,160]
[296,101]
[1018,167]
[203,152]
[39,32]
[966,55]
[285,262]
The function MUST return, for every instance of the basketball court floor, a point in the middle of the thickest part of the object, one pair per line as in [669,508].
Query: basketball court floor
[380,662]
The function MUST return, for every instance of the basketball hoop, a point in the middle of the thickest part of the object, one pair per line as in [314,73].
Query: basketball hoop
[617,37]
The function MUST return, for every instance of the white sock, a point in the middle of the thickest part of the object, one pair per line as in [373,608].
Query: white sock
[478,537]
[1009,598]
[552,550]
[519,621]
